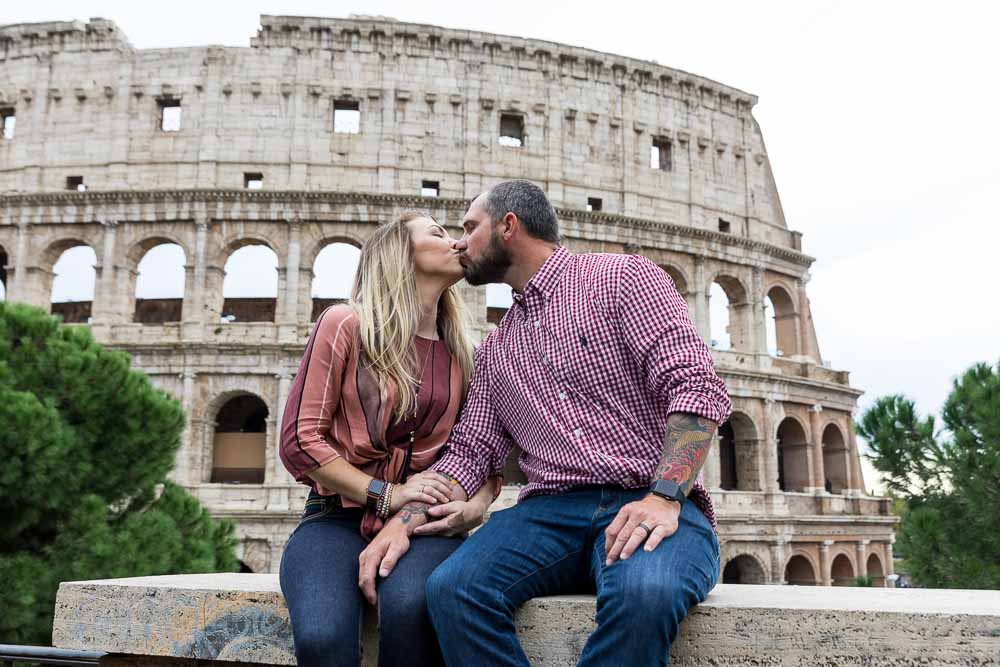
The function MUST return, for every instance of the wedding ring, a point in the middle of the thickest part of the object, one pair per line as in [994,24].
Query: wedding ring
[646,528]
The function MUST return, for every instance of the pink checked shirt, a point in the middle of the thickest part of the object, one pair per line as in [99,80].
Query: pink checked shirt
[582,373]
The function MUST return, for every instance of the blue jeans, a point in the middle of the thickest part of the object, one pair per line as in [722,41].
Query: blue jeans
[319,579]
[551,545]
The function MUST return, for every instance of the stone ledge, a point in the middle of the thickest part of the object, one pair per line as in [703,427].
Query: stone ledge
[242,617]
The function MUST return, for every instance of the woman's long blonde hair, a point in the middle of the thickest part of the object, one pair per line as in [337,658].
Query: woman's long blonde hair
[388,307]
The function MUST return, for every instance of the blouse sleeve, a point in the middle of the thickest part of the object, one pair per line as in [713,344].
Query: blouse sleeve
[315,394]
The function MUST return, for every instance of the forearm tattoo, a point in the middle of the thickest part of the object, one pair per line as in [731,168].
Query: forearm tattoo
[408,511]
[689,438]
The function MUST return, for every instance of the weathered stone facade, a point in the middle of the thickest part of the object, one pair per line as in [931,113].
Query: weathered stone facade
[429,104]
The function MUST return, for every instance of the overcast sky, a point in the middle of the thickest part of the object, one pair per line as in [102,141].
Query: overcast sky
[880,120]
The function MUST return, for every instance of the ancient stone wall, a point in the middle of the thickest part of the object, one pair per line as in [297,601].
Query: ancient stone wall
[324,128]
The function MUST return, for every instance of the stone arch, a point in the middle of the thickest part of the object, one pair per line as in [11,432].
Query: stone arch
[680,280]
[730,325]
[836,460]
[842,570]
[316,246]
[793,461]
[241,303]
[744,569]
[71,285]
[332,275]
[160,306]
[239,444]
[783,323]
[739,454]
[875,571]
[800,570]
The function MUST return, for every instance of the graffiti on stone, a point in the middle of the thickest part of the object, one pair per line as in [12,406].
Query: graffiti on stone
[247,635]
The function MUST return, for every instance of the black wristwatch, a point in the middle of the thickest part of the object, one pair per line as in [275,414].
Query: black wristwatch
[667,490]
[375,489]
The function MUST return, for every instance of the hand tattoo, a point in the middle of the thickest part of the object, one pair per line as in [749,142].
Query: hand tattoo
[410,510]
[689,438]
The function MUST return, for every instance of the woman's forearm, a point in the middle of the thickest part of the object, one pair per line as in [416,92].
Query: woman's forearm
[344,479]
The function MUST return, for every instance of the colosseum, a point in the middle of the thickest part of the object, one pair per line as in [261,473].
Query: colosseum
[279,159]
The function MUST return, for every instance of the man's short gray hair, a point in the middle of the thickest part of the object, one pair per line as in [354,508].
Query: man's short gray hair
[528,202]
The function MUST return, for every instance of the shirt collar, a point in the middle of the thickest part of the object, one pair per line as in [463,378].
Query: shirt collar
[549,273]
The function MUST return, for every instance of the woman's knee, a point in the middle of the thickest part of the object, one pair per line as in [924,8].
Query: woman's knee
[327,644]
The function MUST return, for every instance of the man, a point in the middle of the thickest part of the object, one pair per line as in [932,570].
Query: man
[598,375]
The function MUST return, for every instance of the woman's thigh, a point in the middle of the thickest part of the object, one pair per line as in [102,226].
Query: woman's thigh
[319,579]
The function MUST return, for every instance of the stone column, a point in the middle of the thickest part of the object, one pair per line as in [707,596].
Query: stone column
[855,480]
[770,448]
[104,308]
[778,563]
[824,563]
[712,470]
[700,289]
[183,472]
[817,471]
[861,556]
[758,325]
[193,310]
[279,473]
[805,331]
[270,453]
[288,319]
[17,289]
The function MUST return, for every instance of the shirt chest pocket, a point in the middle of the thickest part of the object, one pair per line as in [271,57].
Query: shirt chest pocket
[587,356]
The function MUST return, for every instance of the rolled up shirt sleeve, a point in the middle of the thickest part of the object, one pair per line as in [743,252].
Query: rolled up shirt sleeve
[315,395]
[675,361]
[479,444]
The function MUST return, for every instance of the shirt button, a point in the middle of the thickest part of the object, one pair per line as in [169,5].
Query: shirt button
[578,432]
[537,323]
[562,396]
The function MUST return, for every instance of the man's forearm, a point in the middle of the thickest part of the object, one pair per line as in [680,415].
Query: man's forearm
[685,449]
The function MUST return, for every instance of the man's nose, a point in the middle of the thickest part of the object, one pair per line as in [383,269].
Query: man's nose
[460,245]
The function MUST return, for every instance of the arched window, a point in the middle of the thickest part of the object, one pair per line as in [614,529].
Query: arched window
[842,571]
[875,571]
[333,276]
[727,458]
[728,314]
[743,570]
[159,285]
[74,283]
[240,443]
[718,309]
[498,300]
[799,572]
[782,323]
[250,288]
[793,464]
[739,454]
[835,459]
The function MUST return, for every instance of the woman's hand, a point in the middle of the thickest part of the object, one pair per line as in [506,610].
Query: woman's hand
[423,487]
[454,518]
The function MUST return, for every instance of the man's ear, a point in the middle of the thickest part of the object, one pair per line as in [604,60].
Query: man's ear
[511,224]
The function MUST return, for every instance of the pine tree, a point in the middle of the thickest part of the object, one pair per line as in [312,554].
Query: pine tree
[85,446]
[949,480]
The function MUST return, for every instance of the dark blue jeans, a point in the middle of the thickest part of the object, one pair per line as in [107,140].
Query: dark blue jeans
[319,578]
[550,545]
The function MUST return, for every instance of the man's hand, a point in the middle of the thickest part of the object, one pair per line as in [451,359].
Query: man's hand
[454,518]
[381,556]
[649,520]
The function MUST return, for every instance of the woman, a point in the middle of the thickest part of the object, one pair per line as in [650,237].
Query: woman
[376,395]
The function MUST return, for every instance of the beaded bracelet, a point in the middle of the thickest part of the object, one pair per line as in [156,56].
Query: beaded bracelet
[384,502]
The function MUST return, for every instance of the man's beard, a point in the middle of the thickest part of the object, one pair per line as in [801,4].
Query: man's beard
[491,267]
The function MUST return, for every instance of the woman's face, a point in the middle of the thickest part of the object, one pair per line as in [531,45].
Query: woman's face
[434,254]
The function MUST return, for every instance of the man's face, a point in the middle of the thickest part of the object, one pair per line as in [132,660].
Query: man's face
[481,251]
